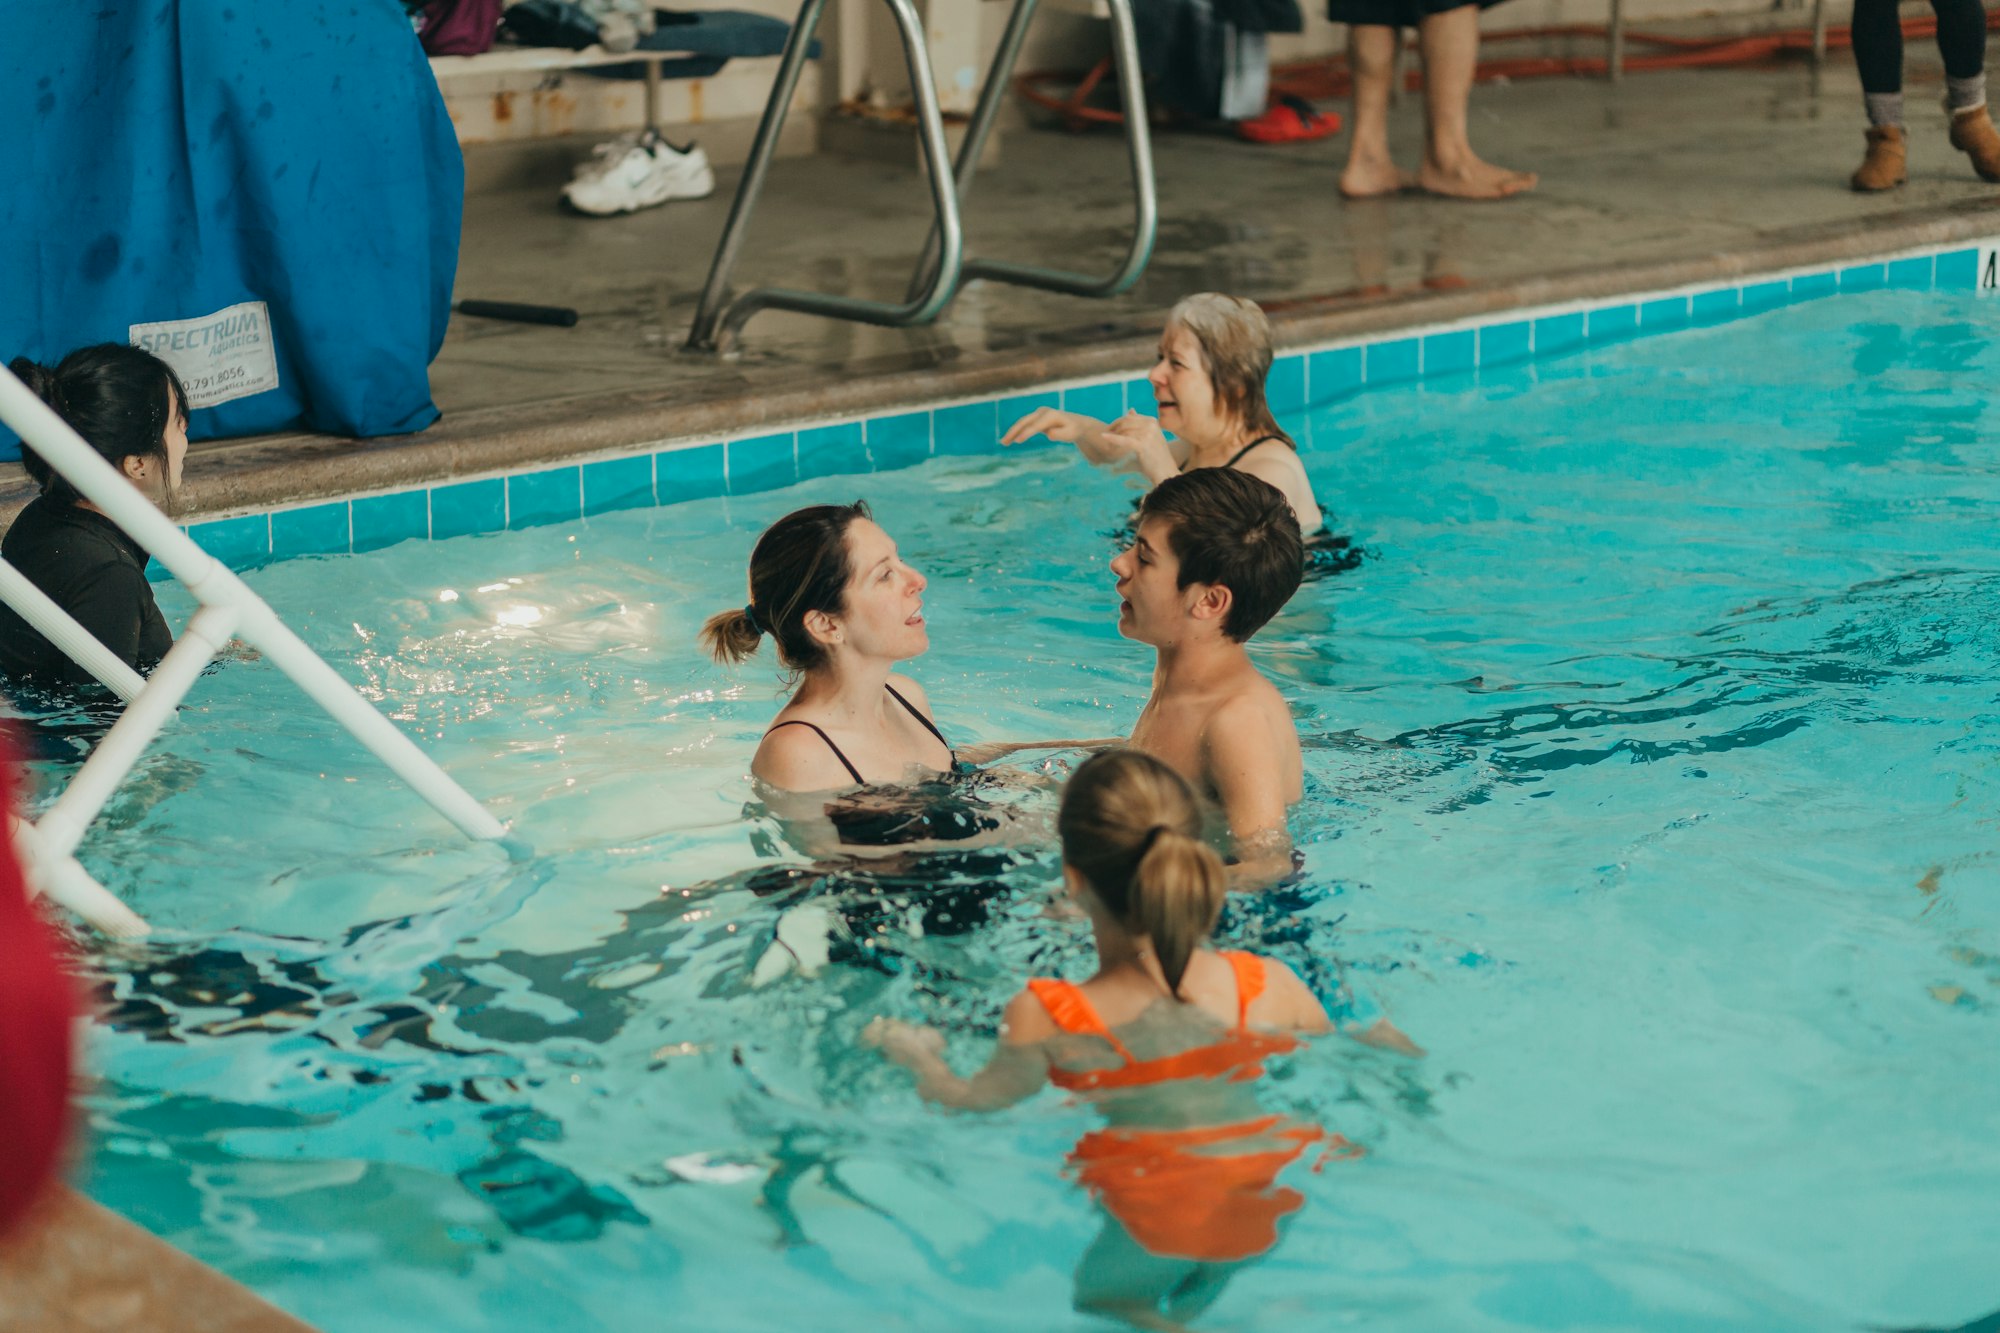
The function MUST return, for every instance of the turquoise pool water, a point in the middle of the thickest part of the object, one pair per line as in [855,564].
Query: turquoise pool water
[1654,765]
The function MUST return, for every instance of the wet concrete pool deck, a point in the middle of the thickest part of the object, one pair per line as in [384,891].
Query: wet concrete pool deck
[1669,178]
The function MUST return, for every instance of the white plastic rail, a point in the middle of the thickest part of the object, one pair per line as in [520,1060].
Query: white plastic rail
[229,609]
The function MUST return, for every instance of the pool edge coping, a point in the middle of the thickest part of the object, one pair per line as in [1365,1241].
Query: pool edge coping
[242,480]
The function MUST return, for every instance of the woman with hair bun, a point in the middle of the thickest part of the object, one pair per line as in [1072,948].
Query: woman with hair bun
[828,585]
[129,406]
[1167,1040]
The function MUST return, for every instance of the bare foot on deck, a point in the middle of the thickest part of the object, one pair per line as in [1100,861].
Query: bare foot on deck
[1374,178]
[1470,178]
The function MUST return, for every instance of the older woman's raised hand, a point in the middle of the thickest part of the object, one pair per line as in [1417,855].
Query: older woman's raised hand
[1086,433]
[1138,437]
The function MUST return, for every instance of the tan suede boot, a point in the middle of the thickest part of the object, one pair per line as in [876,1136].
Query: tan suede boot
[1886,165]
[1972,133]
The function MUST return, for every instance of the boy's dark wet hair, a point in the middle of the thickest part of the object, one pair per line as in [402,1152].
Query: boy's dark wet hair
[1231,529]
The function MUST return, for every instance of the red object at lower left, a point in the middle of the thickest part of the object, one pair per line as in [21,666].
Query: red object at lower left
[38,1006]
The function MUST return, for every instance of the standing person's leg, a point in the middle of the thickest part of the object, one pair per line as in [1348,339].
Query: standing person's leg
[1878,55]
[1449,42]
[1961,39]
[1371,59]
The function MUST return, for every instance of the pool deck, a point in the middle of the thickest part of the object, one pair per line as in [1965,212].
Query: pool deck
[1669,179]
[76,1267]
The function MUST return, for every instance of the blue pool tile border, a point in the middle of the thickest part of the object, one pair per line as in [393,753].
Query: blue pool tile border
[314,530]
[1708,307]
[766,462]
[552,495]
[1300,378]
[902,440]
[1333,373]
[1501,344]
[698,473]
[968,428]
[1106,402]
[618,483]
[469,508]
[376,521]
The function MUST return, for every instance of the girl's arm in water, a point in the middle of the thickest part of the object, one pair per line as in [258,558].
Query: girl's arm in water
[1292,1007]
[1019,1067]
[1295,1007]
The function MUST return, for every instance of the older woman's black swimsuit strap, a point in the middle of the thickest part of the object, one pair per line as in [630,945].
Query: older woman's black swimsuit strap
[848,764]
[1240,453]
[1238,456]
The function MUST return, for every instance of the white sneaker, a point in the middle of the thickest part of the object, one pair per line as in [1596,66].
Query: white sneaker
[647,172]
[607,155]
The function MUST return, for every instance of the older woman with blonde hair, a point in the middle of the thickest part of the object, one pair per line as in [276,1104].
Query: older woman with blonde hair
[1208,382]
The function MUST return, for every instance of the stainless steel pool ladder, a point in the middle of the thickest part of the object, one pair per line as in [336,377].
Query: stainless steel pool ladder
[942,268]
[228,610]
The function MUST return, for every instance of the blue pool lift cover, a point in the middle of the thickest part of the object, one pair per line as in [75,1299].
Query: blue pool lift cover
[268,194]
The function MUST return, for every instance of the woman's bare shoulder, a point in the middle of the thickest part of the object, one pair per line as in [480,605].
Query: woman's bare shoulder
[798,758]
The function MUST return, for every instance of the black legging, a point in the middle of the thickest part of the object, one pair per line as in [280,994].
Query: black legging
[1878,41]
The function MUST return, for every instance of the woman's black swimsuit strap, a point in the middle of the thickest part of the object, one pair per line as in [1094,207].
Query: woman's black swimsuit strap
[1241,453]
[848,764]
[1245,450]
[844,761]
[927,724]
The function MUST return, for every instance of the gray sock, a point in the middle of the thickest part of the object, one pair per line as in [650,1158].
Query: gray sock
[1966,94]
[1885,109]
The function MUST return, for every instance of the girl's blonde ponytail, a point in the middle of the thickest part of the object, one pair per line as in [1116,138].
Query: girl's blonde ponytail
[1132,827]
[1177,893]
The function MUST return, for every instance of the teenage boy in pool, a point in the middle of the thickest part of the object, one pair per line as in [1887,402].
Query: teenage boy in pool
[1218,552]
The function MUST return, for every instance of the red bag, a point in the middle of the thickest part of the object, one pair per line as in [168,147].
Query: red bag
[37,1007]
[458,27]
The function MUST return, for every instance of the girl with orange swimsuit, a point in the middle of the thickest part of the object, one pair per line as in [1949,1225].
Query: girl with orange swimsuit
[1168,1040]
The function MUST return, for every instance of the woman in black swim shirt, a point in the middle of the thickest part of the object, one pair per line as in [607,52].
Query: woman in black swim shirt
[828,584]
[1209,384]
[129,406]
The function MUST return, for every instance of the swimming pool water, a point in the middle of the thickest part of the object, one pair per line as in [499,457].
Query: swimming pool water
[1653,763]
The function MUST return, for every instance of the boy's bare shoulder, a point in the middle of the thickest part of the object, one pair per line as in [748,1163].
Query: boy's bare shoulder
[1253,699]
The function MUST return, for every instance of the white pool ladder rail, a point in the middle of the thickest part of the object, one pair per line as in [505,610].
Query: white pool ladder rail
[229,609]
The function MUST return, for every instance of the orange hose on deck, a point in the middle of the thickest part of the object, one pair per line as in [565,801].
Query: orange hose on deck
[1329,78]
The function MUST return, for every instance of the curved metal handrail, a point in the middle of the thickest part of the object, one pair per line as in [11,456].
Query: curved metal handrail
[715,326]
[942,267]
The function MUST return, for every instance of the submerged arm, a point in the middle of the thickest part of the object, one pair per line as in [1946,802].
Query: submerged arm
[1245,777]
[1017,1070]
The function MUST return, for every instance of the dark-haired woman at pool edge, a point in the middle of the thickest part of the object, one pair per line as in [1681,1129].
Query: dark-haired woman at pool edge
[129,406]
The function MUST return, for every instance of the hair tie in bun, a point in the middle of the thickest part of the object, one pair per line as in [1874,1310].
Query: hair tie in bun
[750,614]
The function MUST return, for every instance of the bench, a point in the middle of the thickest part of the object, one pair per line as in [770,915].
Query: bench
[558,60]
